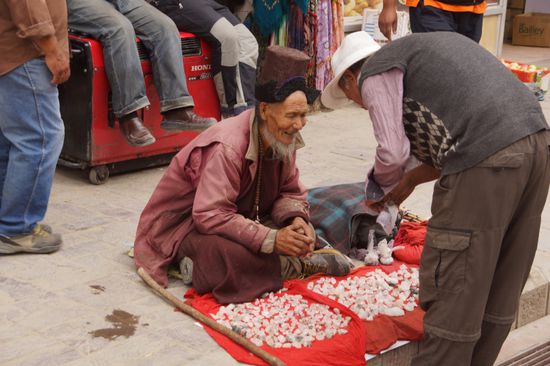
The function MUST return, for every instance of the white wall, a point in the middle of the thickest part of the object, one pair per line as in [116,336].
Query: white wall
[537,6]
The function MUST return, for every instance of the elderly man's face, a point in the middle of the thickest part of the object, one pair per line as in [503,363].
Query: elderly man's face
[284,120]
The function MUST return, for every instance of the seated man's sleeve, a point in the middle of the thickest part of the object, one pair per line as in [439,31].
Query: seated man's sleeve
[292,200]
[215,209]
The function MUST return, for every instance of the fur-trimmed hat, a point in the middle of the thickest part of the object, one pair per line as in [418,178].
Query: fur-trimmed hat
[281,74]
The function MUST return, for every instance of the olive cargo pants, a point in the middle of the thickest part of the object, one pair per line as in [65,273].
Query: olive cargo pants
[479,248]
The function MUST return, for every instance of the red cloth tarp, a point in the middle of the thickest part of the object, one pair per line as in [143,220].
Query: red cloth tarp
[411,236]
[341,350]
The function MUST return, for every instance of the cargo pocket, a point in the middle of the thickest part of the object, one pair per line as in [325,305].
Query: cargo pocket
[503,160]
[444,259]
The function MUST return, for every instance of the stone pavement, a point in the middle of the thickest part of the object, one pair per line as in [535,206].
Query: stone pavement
[85,305]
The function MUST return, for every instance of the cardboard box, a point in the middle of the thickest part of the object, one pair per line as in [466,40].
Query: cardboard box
[531,29]
[508,25]
[516,4]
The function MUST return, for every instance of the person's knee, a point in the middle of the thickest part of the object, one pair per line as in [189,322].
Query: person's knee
[230,41]
[249,46]
[228,37]
[166,25]
[121,30]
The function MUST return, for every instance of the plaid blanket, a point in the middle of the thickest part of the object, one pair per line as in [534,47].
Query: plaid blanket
[333,213]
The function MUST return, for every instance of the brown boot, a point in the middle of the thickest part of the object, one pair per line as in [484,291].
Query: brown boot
[135,132]
[183,119]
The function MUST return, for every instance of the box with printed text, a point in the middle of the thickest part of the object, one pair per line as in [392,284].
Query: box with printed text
[531,29]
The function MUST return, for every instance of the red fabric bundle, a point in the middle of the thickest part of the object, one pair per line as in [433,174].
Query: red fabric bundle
[411,236]
[341,350]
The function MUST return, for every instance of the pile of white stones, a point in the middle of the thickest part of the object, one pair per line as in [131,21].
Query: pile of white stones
[373,293]
[283,321]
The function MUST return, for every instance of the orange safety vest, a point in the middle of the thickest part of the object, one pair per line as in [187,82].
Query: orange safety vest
[476,9]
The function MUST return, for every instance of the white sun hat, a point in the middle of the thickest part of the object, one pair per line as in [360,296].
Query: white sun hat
[355,47]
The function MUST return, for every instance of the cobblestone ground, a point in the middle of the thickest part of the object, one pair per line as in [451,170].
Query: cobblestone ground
[85,305]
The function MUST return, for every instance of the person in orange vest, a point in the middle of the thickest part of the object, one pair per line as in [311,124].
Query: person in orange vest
[460,16]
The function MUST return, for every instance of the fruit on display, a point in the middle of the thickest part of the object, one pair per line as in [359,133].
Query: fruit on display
[525,72]
[356,7]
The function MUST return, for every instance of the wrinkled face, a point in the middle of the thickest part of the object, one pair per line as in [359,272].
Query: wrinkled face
[285,119]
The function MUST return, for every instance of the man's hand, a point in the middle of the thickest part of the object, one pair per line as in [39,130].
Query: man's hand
[56,60]
[58,63]
[376,206]
[305,229]
[387,20]
[292,240]
[421,174]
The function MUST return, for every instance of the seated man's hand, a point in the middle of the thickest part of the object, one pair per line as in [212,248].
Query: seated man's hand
[305,229]
[292,240]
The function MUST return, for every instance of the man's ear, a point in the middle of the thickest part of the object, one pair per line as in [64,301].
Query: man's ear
[348,79]
[263,107]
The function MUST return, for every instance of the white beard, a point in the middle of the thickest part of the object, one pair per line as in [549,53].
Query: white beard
[279,150]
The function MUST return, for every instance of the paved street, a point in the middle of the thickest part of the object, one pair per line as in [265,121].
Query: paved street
[85,305]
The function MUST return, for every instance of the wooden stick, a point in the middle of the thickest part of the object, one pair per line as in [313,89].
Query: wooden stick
[194,313]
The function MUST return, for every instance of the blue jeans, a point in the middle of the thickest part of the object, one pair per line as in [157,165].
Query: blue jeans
[31,137]
[115,23]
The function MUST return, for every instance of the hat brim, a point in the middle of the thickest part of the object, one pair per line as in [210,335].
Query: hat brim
[333,96]
[270,93]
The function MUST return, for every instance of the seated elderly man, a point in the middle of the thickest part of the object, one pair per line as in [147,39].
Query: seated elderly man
[231,202]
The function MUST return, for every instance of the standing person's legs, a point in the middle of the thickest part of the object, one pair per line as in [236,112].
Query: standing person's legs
[102,21]
[160,36]
[516,255]
[469,25]
[466,234]
[430,19]
[31,137]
